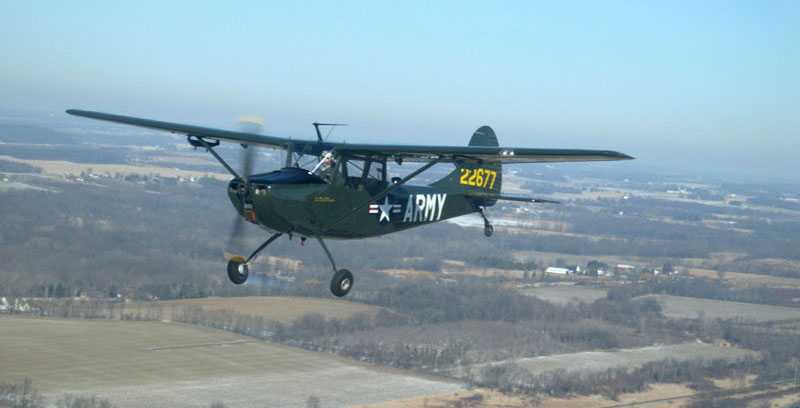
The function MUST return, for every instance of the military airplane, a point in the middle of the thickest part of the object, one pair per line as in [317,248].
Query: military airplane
[347,193]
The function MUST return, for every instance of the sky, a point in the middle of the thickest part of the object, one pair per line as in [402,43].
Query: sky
[708,87]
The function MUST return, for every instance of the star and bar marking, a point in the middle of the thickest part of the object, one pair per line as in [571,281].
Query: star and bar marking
[385,210]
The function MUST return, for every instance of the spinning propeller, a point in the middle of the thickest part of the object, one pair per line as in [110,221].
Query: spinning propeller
[249,124]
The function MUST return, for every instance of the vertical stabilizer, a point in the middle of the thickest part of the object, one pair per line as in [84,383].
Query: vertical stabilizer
[476,177]
[484,136]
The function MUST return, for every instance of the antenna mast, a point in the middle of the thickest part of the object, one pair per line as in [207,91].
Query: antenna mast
[319,135]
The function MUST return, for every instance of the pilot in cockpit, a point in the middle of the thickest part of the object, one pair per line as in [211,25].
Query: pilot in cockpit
[325,166]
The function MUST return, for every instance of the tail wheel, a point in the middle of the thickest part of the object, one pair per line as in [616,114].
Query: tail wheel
[488,230]
[341,283]
[238,271]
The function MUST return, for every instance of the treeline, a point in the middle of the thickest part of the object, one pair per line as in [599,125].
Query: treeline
[510,377]
[470,299]
[25,395]
[780,349]
[22,394]
[96,309]
[18,167]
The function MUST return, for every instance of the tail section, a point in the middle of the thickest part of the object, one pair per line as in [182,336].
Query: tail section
[484,136]
[474,177]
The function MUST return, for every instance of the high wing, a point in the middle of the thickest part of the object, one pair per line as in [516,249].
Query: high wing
[400,153]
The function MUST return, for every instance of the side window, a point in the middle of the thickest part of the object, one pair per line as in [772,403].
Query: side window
[360,174]
[352,173]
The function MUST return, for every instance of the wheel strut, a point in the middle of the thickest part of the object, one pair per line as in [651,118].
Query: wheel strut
[342,280]
[327,252]
[487,227]
[264,245]
[238,271]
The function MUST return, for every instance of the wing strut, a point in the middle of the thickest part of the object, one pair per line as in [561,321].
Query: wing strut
[385,192]
[289,154]
[196,140]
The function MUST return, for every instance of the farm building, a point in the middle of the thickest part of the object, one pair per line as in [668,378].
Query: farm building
[557,271]
[621,268]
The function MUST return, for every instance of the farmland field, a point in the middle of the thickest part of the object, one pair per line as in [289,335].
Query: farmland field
[278,308]
[565,294]
[677,307]
[152,364]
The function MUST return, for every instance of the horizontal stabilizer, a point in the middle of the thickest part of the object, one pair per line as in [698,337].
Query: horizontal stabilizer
[527,199]
[514,198]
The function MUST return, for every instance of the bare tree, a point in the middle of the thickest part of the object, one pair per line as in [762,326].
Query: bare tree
[71,401]
[29,394]
[313,402]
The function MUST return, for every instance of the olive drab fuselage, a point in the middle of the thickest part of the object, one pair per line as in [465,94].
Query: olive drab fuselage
[293,201]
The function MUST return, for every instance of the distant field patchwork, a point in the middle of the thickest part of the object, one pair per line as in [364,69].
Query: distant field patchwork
[60,167]
[150,364]
[677,307]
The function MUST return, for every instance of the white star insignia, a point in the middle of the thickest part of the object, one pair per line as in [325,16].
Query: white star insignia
[386,209]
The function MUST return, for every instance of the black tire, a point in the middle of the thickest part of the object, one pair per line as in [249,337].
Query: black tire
[341,283]
[238,272]
[488,230]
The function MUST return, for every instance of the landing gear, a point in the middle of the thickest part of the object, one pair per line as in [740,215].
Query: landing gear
[341,283]
[488,230]
[342,280]
[238,271]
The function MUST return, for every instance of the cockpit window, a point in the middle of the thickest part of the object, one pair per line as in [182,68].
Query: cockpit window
[364,174]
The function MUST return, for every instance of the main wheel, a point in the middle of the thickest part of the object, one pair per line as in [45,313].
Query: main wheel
[238,271]
[341,283]
[488,230]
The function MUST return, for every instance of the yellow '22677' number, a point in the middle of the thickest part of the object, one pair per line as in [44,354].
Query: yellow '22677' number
[478,177]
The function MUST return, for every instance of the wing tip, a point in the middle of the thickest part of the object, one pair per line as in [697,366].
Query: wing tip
[77,112]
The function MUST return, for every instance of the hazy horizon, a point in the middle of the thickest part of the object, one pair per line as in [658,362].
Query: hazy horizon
[707,87]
